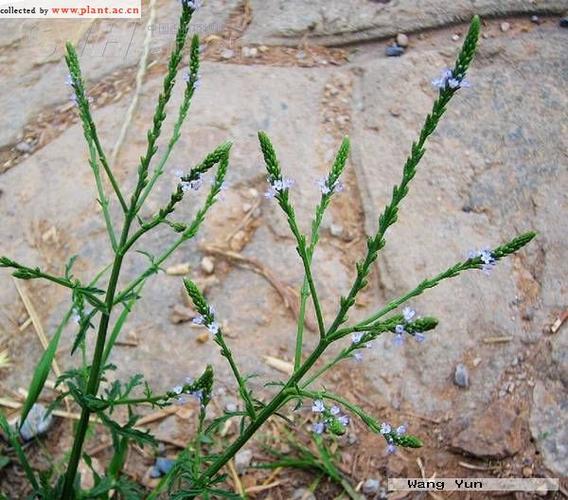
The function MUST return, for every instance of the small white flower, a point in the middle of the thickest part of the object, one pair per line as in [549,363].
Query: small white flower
[318,406]
[356,337]
[408,314]
[385,428]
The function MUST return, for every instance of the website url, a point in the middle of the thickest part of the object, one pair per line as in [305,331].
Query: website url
[60,9]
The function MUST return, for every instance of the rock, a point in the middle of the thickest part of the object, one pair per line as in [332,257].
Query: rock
[476,362]
[37,422]
[455,37]
[181,314]
[322,22]
[461,376]
[402,40]
[208,265]
[547,425]
[227,54]
[23,147]
[505,26]
[495,214]
[494,434]
[336,230]
[394,51]
[371,486]
[249,52]
[535,19]
[231,408]
[242,461]
[164,465]
[178,269]
[564,22]
[303,494]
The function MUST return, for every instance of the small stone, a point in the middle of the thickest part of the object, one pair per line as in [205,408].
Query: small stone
[564,22]
[178,269]
[336,230]
[402,40]
[181,314]
[394,51]
[461,376]
[455,37]
[208,265]
[505,26]
[23,147]
[203,337]
[476,362]
[249,52]
[242,461]
[37,422]
[227,54]
[164,465]
[535,19]
[371,486]
[231,406]
[303,494]
[246,207]
[496,432]
[527,471]
[263,48]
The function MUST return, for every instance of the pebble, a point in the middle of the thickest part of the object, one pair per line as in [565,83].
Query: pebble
[371,486]
[564,22]
[461,376]
[231,407]
[476,362]
[394,51]
[23,147]
[535,19]
[161,467]
[208,265]
[242,460]
[402,40]
[37,422]
[227,54]
[455,37]
[303,494]
[505,26]
[249,52]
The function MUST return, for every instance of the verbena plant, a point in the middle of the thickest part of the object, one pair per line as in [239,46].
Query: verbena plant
[197,471]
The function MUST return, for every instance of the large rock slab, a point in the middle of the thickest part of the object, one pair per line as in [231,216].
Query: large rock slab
[495,167]
[54,186]
[339,23]
[31,54]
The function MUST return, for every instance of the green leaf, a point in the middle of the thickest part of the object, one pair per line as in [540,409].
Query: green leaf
[42,369]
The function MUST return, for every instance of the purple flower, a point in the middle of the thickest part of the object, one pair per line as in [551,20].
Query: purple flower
[178,389]
[276,186]
[448,80]
[213,328]
[69,81]
[318,427]
[192,4]
[76,316]
[399,329]
[356,337]
[399,335]
[385,428]
[419,337]
[318,406]
[408,314]
[198,320]
[487,258]
[193,185]
[391,448]
[400,430]
[343,420]
[335,410]
[358,356]
[326,187]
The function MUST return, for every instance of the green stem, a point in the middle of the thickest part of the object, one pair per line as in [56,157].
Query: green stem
[301,322]
[225,351]
[94,374]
